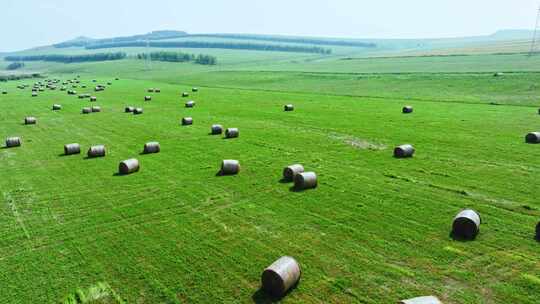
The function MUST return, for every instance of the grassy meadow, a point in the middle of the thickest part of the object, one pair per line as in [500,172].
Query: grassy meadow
[375,230]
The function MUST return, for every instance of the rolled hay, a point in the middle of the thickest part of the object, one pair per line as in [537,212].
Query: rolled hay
[151,147]
[56,107]
[407,109]
[86,110]
[30,120]
[291,171]
[232,133]
[138,111]
[404,151]
[533,138]
[466,224]
[498,74]
[4,92]
[230,167]
[34,94]
[96,109]
[128,166]
[281,276]
[288,107]
[421,300]
[83,86]
[13,142]
[195,90]
[147,98]
[538,111]
[216,129]
[81,96]
[186,121]
[96,151]
[71,149]
[62,88]
[305,180]
[129,109]
[185,94]
[157,90]
[109,83]
[151,90]
[93,98]
[190,104]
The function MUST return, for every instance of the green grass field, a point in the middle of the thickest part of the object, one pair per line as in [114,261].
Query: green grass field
[376,230]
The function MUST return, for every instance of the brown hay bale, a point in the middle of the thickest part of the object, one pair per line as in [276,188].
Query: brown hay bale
[190,104]
[281,276]
[185,94]
[138,111]
[288,107]
[147,98]
[290,172]
[404,151]
[232,133]
[128,166]
[421,300]
[71,149]
[466,224]
[407,109]
[230,167]
[96,109]
[186,121]
[151,147]
[86,110]
[56,107]
[93,98]
[129,109]
[533,138]
[30,120]
[96,151]
[216,129]
[305,180]
[13,142]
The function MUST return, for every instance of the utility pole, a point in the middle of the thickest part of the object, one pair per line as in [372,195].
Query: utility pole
[536,36]
[148,58]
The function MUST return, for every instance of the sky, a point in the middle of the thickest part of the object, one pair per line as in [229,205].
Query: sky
[30,23]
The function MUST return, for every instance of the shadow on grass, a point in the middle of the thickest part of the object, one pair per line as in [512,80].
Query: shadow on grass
[284,181]
[65,155]
[262,297]
[118,174]
[461,238]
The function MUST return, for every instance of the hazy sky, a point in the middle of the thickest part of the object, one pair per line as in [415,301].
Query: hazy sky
[28,23]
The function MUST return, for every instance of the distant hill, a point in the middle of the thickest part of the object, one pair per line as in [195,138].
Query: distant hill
[155,35]
[512,34]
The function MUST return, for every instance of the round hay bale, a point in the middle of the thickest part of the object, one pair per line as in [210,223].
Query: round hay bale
[305,180]
[71,149]
[288,107]
[4,92]
[421,300]
[407,109]
[34,94]
[216,129]
[291,171]
[81,96]
[147,98]
[539,111]
[498,74]
[185,94]
[151,90]
[151,147]
[30,120]
[403,151]
[129,109]
[190,104]
[56,107]
[230,167]
[195,90]
[157,90]
[62,89]
[96,109]
[109,83]
[13,142]
[281,276]
[128,166]
[96,151]
[93,98]
[466,224]
[86,110]
[93,80]
[232,133]
[186,121]
[533,138]
[137,111]
[83,86]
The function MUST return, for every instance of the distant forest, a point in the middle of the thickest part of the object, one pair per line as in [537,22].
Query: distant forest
[69,58]
[180,57]
[291,40]
[157,35]
[4,78]
[14,66]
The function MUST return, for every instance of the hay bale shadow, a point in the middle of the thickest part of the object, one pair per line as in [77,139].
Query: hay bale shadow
[118,174]
[285,181]
[459,238]
[261,297]
[295,189]
[220,173]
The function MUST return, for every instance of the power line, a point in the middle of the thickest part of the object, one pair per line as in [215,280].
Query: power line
[536,39]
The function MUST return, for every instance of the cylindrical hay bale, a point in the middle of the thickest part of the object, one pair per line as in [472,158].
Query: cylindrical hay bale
[232,133]
[466,224]
[539,111]
[290,172]
[151,90]
[538,231]
[279,277]
[533,138]
[97,151]
[81,96]
[129,109]
[30,120]
[195,90]
[190,104]
[56,107]
[96,109]
[289,107]
[187,121]
[305,180]
[138,111]
[4,92]
[151,147]
[86,110]
[34,94]
[70,149]
[422,300]
[230,167]
[185,94]
[147,98]
[404,151]
[407,109]
[157,90]
[216,129]
[93,98]
[128,166]
[13,142]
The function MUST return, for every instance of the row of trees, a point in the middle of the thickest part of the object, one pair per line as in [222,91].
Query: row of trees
[18,77]
[69,58]
[300,40]
[215,45]
[15,65]
[155,35]
[180,57]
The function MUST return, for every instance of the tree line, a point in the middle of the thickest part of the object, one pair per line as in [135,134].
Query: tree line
[15,65]
[300,40]
[213,45]
[69,58]
[179,57]
[18,77]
